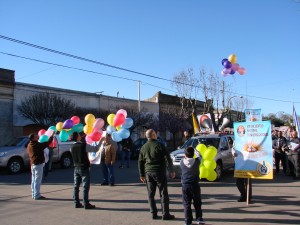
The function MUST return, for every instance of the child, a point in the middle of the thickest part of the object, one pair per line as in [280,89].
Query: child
[190,186]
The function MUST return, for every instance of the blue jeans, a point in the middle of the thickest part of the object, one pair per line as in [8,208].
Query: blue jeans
[108,173]
[36,180]
[126,154]
[81,175]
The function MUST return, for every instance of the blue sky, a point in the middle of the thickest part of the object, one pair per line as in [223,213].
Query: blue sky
[158,38]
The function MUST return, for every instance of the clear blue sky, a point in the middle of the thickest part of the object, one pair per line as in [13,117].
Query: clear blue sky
[158,38]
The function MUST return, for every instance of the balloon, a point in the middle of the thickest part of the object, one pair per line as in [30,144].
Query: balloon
[52,128]
[116,137]
[226,71]
[49,133]
[89,119]
[88,140]
[110,129]
[223,74]
[119,119]
[241,71]
[210,164]
[122,111]
[75,119]
[59,126]
[87,129]
[99,123]
[209,154]
[124,133]
[127,123]
[110,119]
[223,61]
[203,172]
[232,58]
[232,71]
[201,148]
[53,144]
[63,135]
[227,65]
[235,66]
[43,138]
[95,136]
[41,132]
[68,124]
[212,175]
[77,128]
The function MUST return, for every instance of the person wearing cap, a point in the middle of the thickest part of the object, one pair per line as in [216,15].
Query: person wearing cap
[35,151]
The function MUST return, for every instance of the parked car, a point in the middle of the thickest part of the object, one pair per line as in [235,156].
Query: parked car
[222,142]
[137,145]
[14,156]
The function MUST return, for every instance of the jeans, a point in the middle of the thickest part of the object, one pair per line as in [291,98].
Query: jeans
[108,173]
[36,180]
[126,154]
[81,175]
[191,193]
[153,180]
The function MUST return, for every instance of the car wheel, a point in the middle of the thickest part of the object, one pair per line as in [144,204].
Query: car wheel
[15,165]
[219,170]
[66,160]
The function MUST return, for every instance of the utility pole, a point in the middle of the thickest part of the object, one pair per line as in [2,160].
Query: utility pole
[139,96]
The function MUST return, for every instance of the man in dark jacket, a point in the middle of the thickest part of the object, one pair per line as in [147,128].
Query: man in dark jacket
[279,154]
[35,151]
[153,161]
[81,172]
[295,154]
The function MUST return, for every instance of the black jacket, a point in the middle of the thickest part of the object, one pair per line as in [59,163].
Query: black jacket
[80,156]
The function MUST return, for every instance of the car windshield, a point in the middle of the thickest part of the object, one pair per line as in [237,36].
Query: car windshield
[187,143]
[14,142]
[210,142]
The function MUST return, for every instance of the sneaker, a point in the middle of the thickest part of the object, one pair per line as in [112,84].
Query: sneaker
[78,205]
[200,221]
[104,184]
[241,200]
[168,217]
[89,206]
[40,198]
[154,216]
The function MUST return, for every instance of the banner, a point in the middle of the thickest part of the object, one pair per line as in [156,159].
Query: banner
[195,124]
[95,157]
[205,122]
[295,121]
[253,146]
[253,115]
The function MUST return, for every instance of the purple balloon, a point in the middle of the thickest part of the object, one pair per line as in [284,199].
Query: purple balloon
[226,71]
[232,71]
[223,61]
[227,64]
[68,124]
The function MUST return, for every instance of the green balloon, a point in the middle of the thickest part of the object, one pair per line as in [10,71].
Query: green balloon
[210,153]
[212,175]
[78,127]
[203,172]
[210,164]
[43,138]
[63,135]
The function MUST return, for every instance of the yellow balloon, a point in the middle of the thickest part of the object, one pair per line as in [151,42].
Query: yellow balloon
[210,153]
[59,126]
[232,58]
[210,164]
[201,148]
[89,119]
[118,127]
[110,119]
[203,172]
[87,129]
[212,175]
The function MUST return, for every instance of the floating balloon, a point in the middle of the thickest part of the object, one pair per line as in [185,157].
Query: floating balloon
[212,175]
[41,132]
[89,119]
[99,123]
[43,138]
[127,123]
[210,164]
[235,66]
[232,58]
[75,119]
[87,129]
[124,133]
[95,136]
[227,65]
[201,148]
[52,128]
[241,71]
[49,133]
[110,119]
[77,128]
[110,129]
[122,111]
[119,119]
[53,144]
[210,153]
[59,126]
[116,137]
[88,140]
[68,124]
[63,135]
[203,172]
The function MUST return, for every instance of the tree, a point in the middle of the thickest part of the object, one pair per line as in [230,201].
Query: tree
[46,109]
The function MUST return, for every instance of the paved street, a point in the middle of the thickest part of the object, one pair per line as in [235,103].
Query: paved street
[274,201]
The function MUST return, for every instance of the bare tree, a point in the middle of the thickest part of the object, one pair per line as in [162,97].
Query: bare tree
[46,109]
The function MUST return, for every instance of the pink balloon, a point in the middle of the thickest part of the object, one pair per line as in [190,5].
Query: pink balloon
[241,71]
[49,133]
[96,136]
[226,71]
[235,66]
[223,74]
[119,120]
[75,119]
[122,111]
[98,130]
[41,132]
[99,123]
[88,140]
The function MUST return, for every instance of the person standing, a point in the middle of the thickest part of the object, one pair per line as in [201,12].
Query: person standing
[81,172]
[108,159]
[126,151]
[295,154]
[35,151]
[152,163]
[48,164]
[186,136]
[279,154]
[190,185]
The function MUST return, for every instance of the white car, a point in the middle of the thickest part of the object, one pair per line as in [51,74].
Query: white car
[14,156]
[222,142]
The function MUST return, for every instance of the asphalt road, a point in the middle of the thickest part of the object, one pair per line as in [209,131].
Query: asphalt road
[275,201]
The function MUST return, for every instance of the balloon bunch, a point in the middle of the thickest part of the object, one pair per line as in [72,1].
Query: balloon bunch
[230,66]
[68,127]
[119,124]
[208,164]
[93,129]
[44,136]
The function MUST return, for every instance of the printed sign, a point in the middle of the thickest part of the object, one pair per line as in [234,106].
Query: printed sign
[253,115]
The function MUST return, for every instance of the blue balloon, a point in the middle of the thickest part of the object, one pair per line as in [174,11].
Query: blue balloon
[127,123]
[52,128]
[227,64]
[43,138]
[77,127]
[110,129]
[63,135]
[223,61]
[124,133]
[116,137]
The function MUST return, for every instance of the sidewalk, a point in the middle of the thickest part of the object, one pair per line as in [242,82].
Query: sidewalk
[274,201]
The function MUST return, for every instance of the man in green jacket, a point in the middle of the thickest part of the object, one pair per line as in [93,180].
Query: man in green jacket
[153,161]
